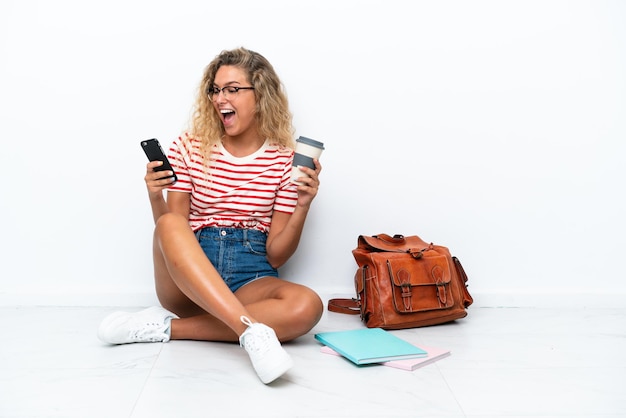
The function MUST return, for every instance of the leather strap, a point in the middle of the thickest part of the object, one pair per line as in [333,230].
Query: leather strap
[396,239]
[346,306]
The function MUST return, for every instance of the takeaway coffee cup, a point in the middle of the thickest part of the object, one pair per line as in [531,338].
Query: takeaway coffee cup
[306,150]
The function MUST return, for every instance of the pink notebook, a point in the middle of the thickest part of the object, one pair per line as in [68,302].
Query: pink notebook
[434,354]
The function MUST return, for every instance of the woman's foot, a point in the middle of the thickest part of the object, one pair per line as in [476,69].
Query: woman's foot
[268,357]
[150,325]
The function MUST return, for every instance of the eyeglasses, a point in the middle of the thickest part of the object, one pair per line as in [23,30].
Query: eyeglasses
[228,92]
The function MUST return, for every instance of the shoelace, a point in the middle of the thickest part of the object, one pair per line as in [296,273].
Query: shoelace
[256,338]
[145,329]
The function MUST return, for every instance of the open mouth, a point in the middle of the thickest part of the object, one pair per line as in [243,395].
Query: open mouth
[227,114]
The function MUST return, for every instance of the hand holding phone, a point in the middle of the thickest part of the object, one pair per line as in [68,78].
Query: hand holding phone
[154,152]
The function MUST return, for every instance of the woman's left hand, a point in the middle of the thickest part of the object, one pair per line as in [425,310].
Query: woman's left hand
[310,184]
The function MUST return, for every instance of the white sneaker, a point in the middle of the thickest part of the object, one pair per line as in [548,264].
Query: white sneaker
[148,326]
[268,358]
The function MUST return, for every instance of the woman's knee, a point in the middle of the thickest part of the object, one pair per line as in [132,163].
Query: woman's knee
[316,305]
[172,235]
[170,221]
[307,309]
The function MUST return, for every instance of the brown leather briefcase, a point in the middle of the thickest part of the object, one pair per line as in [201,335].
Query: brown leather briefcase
[404,282]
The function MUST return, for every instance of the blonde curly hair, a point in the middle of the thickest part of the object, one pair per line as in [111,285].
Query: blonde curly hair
[274,119]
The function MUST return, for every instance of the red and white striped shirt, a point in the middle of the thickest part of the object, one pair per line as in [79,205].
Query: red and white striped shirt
[235,192]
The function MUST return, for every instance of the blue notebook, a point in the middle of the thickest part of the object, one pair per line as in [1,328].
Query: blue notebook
[369,345]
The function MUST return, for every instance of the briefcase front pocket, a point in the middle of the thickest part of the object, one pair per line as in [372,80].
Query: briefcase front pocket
[419,285]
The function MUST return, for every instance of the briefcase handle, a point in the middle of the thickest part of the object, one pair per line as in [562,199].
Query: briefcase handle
[345,306]
[396,239]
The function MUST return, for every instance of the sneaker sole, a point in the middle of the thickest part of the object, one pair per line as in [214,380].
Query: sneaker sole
[277,370]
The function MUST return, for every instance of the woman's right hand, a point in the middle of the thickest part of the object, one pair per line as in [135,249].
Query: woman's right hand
[157,181]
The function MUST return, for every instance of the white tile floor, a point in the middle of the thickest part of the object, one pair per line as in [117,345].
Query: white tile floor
[504,363]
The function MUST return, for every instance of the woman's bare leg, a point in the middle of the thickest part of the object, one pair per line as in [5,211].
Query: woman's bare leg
[290,309]
[188,284]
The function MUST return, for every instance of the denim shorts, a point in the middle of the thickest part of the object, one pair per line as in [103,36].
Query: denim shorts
[238,254]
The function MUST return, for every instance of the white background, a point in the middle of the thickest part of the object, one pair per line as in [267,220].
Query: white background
[496,128]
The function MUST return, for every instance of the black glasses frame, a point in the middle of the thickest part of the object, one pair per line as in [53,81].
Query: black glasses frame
[214,92]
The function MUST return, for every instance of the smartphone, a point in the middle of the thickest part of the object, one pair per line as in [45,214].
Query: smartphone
[154,152]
